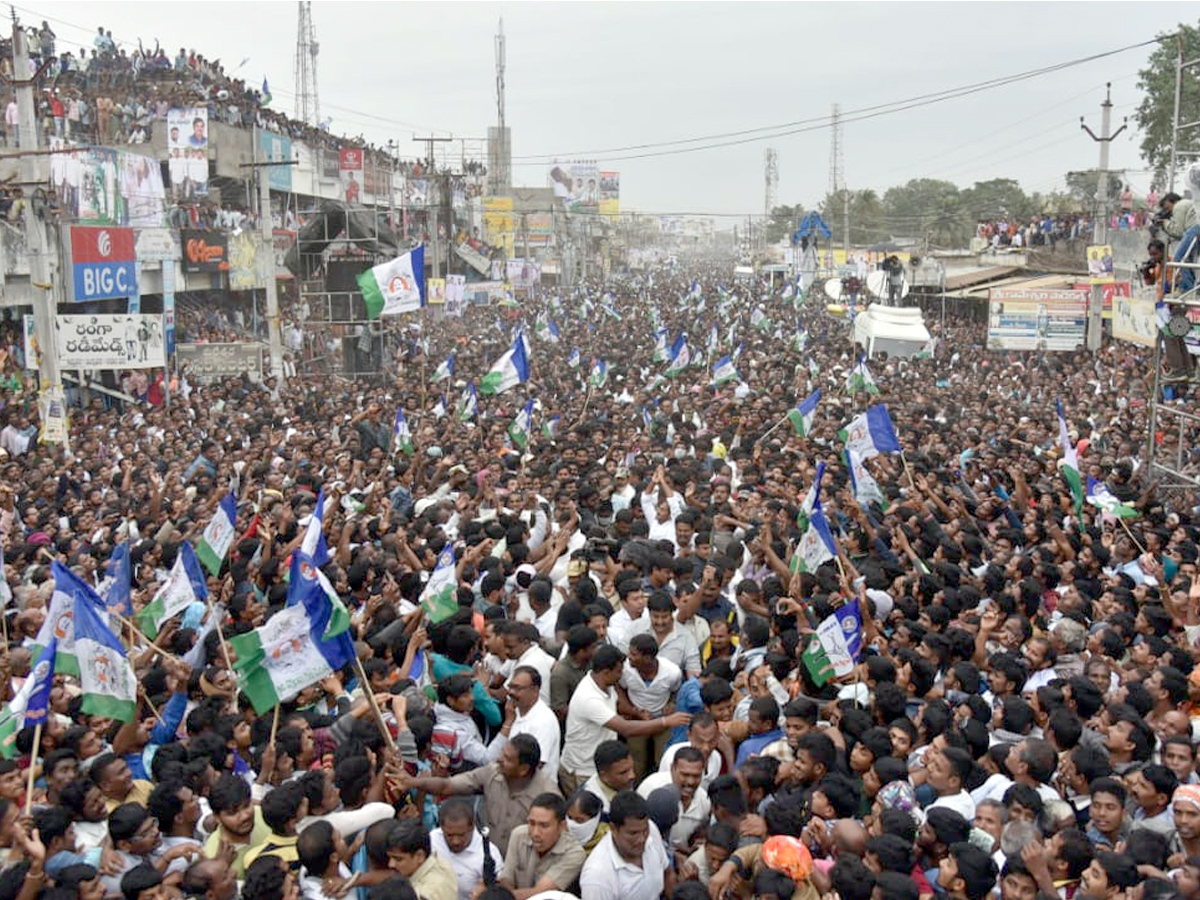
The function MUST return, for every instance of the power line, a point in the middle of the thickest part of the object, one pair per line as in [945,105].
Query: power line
[818,123]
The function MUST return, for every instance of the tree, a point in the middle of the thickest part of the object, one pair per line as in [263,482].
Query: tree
[1083,187]
[1000,198]
[783,221]
[911,209]
[1155,114]
[866,217]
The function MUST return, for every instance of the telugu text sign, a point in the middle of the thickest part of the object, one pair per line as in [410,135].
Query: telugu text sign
[220,360]
[1037,319]
[120,341]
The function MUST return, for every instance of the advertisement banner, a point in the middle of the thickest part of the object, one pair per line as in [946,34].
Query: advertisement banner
[481,293]
[1134,319]
[29,342]
[538,230]
[498,222]
[350,167]
[416,192]
[576,186]
[206,361]
[455,294]
[329,164]
[244,274]
[156,245]
[102,263]
[274,147]
[187,151]
[283,239]
[473,258]
[435,291]
[1036,319]
[204,251]
[523,273]
[1108,292]
[110,341]
[1100,264]
[99,186]
[168,286]
[610,193]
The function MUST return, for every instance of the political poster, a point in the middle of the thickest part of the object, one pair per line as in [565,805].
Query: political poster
[244,269]
[29,342]
[101,186]
[187,151]
[1030,319]
[610,193]
[498,222]
[435,291]
[1134,318]
[455,294]
[207,361]
[416,192]
[1108,292]
[576,186]
[329,164]
[283,238]
[350,169]
[119,341]
[1100,264]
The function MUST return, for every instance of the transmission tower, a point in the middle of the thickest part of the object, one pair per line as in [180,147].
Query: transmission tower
[771,177]
[837,175]
[500,142]
[308,103]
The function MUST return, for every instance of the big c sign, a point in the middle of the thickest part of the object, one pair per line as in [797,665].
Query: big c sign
[102,262]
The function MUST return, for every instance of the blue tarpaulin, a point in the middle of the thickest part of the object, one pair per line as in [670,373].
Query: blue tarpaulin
[811,224]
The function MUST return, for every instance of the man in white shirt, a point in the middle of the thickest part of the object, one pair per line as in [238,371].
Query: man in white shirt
[631,618]
[528,714]
[686,772]
[521,646]
[702,735]
[674,642]
[592,719]
[460,844]
[661,508]
[648,679]
[614,772]
[320,848]
[946,772]
[630,862]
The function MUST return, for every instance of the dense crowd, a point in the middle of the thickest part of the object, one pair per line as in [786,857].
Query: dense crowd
[619,707]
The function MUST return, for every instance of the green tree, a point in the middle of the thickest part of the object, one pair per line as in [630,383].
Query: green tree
[1155,114]
[1000,198]
[1082,186]
[911,209]
[866,217]
[783,221]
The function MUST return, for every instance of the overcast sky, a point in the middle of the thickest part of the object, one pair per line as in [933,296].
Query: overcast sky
[586,77]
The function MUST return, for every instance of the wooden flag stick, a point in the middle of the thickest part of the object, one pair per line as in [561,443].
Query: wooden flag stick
[220,634]
[375,710]
[124,621]
[274,725]
[37,741]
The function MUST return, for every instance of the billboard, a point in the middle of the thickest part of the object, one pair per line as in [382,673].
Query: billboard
[1108,292]
[498,222]
[1134,318]
[205,361]
[610,193]
[350,169]
[120,341]
[100,186]
[522,272]
[204,251]
[1033,319]
[329,164]
[102,263]
[187,151]
[156,245]
[576,186]
[274,147]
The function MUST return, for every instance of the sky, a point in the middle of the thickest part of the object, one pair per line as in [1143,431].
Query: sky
[585,80]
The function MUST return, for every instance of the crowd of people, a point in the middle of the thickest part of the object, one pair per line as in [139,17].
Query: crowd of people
[621,701]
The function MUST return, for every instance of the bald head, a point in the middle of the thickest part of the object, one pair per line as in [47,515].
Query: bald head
[850,837]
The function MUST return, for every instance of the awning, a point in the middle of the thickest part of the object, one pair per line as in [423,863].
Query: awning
[978,276]
[1029,282]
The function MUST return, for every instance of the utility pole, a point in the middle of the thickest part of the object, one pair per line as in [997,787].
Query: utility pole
[44,286]
[274,337]
[433,232]
[1099,229]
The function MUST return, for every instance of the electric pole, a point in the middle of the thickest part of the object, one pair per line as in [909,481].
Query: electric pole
[433,232]
[1099,229]
[44,286]
[274,337]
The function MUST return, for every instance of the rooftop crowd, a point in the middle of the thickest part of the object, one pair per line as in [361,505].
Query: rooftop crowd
[618,707]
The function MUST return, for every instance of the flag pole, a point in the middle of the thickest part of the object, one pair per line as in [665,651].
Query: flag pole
[220,633]
[763,437]
[370,695]
[37,740]
[137,631]
[274,725]
[908,471]
[1136,542]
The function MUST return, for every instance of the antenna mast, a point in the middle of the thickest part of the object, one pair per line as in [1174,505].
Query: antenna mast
[308,101]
